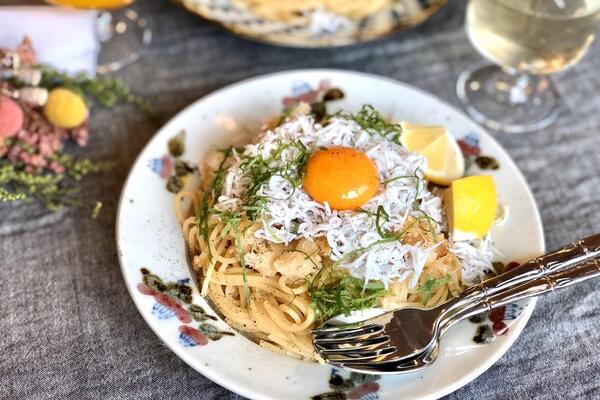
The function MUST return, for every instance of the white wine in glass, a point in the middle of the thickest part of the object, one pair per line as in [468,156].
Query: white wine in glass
[524,40]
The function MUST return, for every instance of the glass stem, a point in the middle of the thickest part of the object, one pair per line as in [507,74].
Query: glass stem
[506,99]
[517,86]
[104,26]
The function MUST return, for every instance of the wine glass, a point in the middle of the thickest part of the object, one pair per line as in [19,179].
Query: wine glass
[524,41]
[121,31]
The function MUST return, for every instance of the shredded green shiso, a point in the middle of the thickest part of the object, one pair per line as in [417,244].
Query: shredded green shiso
[373,122]
[344,296]
[426,289]
[340,293]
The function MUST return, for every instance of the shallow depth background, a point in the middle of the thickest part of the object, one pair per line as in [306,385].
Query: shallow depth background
[68,326]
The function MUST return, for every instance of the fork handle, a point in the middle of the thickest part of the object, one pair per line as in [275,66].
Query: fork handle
[536,287]
[563,258]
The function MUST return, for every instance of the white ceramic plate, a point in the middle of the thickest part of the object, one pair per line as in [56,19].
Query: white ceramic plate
[148,236]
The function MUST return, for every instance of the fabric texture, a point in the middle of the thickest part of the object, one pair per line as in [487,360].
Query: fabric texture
[68,328]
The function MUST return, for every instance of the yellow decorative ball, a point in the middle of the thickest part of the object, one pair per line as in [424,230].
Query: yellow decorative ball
[65,108]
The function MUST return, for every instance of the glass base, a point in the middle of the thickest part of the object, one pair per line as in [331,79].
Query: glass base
[122,34]
[506,100]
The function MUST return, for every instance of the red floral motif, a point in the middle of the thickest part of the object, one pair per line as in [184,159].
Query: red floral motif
[366,388]
[512,265]
[355,387]
[499,328]
[144,289]
[497,317]
[194,334]
[497,314]
[307,97]
[169,302]
[468,149]
[167,167]
[175,299]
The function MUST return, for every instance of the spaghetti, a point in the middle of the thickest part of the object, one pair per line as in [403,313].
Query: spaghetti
[276,312]
[276,263]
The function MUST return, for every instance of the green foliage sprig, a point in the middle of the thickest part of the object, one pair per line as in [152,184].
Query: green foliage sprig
[53,190]
[106,91]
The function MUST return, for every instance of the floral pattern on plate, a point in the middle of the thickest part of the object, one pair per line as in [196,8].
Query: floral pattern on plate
[495,322]
[355,387]
[174,299]
[469,145]
[303,92]
[149,234]
[170,166]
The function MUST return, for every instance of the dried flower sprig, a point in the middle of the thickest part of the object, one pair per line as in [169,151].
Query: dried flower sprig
[46,108]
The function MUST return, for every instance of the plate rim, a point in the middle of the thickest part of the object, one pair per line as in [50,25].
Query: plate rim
[249,392]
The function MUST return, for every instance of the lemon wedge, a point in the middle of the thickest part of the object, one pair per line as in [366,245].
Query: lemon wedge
[445,161]
[471,204]
[417,137]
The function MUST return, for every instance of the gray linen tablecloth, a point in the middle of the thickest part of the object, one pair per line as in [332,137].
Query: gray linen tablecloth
[68,328]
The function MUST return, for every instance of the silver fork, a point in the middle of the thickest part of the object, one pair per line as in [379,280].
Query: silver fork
[410,334]
[536,287]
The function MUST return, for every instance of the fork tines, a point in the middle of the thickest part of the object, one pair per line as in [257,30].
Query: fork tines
[355,344]
[346,332]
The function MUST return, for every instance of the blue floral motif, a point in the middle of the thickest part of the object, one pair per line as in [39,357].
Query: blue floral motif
[155,165]
[162,312]
[186,341]
[300,88]
[512,311]
[472,139]
[369,396]
[174,299]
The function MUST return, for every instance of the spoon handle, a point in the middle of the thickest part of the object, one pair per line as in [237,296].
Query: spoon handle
[588,269]
[563,258]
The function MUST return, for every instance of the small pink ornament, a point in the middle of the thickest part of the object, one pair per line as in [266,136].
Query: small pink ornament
[11,117]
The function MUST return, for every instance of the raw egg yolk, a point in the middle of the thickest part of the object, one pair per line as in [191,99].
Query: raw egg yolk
[343,177]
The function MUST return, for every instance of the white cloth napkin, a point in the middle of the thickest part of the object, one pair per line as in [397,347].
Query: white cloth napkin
[62,37]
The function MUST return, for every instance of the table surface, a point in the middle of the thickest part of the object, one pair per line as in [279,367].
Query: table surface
[68,326]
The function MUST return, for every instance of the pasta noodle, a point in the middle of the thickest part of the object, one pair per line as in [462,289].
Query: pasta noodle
[279,313]
[276,262]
